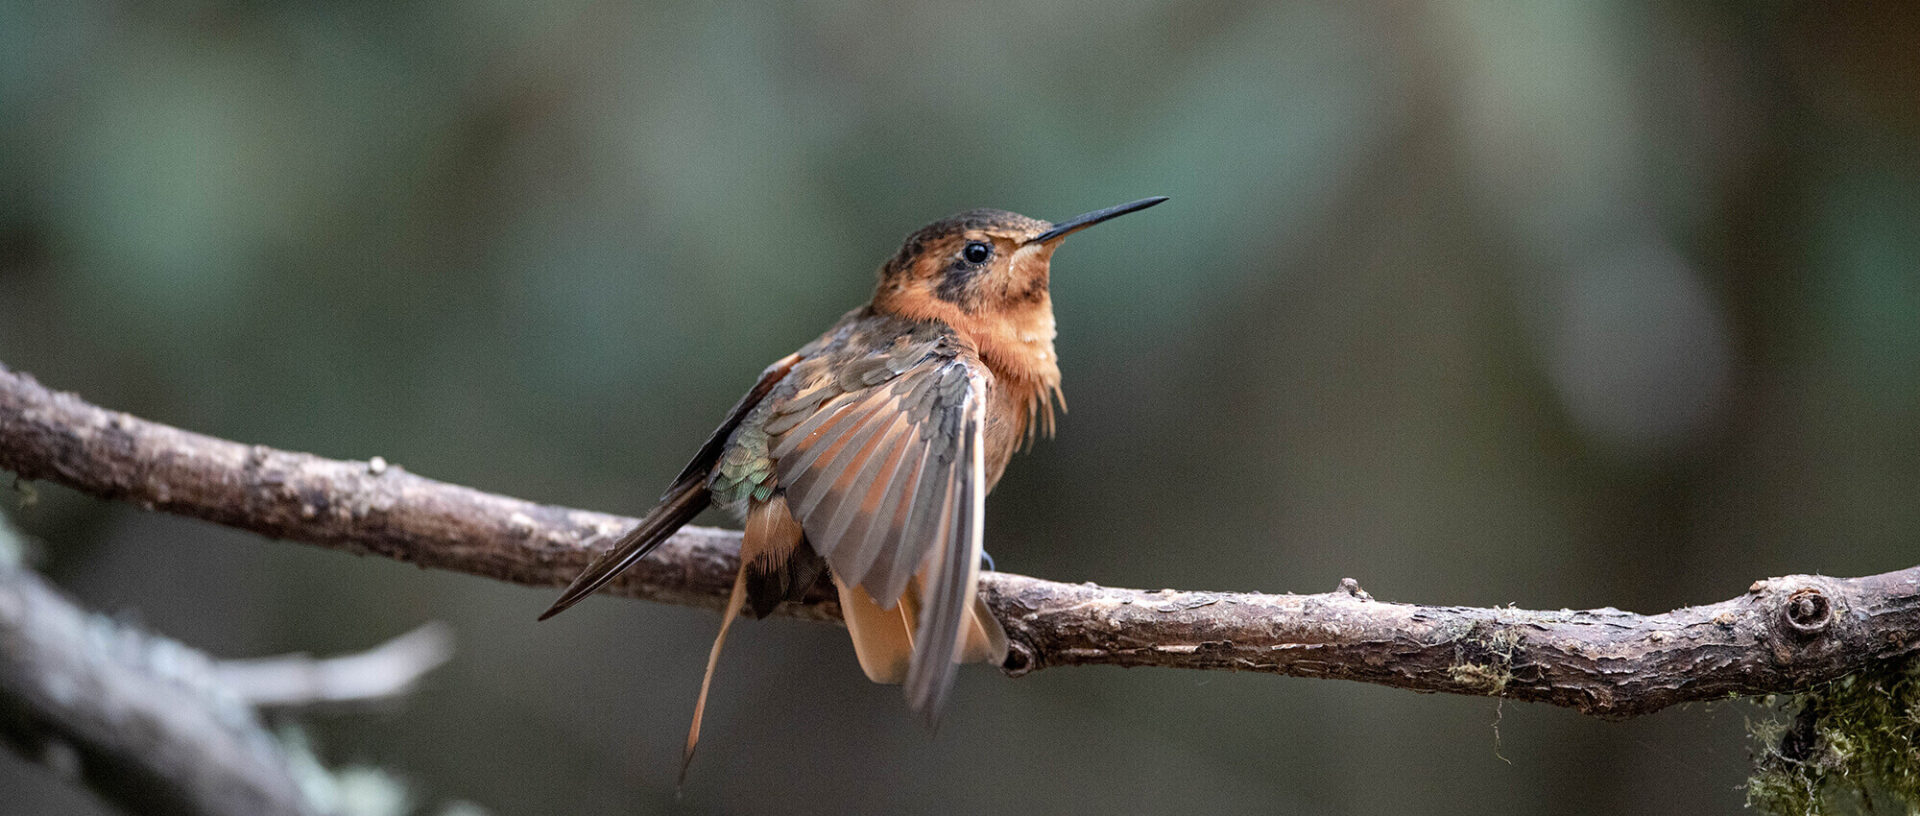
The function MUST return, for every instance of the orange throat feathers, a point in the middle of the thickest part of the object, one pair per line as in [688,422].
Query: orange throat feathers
[1016,344]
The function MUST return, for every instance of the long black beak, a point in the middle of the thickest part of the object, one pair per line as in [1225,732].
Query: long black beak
[1080,222]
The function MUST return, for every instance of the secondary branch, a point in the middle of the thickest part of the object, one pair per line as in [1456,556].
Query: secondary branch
[140,719]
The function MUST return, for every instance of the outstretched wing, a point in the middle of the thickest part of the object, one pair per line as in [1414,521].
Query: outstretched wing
[882,460]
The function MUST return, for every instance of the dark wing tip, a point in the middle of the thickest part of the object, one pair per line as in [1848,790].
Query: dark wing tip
[605,569]
[574,594]
[684,501]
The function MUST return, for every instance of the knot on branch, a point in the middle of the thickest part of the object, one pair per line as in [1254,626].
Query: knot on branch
[1352,588]
[1807,612]
[1020,658]
[1807,621]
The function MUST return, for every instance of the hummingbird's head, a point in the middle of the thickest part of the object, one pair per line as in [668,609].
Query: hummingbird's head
[984,273]
[980,263]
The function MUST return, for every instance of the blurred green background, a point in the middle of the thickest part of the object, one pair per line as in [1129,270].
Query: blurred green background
[1554,304]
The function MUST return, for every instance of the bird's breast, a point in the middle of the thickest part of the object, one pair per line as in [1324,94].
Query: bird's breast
[1010,410]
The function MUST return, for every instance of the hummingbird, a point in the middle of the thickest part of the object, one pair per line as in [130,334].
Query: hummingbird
[866,456]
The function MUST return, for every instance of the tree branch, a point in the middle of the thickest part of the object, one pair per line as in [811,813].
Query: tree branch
[1783,634]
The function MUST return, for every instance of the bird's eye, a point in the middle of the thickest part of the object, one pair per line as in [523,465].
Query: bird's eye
[976,252]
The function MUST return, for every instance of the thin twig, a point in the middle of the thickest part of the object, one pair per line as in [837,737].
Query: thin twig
[1784,634]
[384,672]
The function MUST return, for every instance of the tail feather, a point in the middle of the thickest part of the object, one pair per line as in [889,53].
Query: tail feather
[768,545]
[883,638]
[735,601]
[679,506]
[986,640]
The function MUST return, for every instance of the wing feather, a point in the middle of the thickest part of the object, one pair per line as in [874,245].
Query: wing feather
[871,557]
[926,526]
[811,430]
[830,479]
[952,576]
[857,493]
[881,460]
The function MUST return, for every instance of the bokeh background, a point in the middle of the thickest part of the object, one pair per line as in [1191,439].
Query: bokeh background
[1559,304]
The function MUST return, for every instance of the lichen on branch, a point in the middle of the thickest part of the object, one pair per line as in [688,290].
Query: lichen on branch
[1849,746]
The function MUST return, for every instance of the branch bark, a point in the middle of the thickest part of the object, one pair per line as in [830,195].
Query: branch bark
[1783,634]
